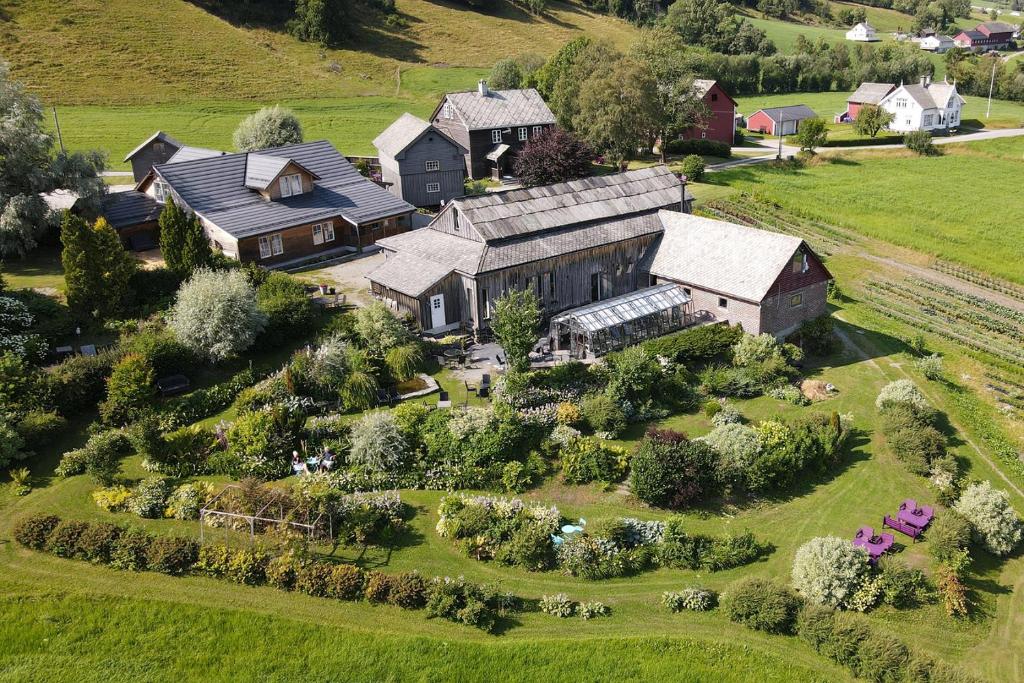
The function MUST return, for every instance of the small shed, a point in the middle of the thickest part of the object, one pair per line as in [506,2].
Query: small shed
[420,163]
[779,120]
[618,322]
[134,216]
[156,149]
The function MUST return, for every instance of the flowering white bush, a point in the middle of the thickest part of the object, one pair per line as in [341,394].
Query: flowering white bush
[563,435]
[901,391]
[377,442]
[469,421]
[694,599]
[216,314]
[994,521]
[15,319]
[558,605]
[829,570]
[738,445]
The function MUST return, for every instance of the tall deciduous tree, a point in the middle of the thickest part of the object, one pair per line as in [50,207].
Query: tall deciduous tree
[321,21]
[871,120]
[269,127]
[554,156]
[506,75]
[514,323]
[28,167]
[619,109]
[97,269]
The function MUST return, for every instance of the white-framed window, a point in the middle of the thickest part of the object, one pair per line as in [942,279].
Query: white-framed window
[433,165]
[291,184]
[271,245]
[496,136]
[449,110]
[723,302]
[537,130]
[523,133]
[796,300]
[160,191]
[927,119]
[800,263]
[433,187]
[323,232]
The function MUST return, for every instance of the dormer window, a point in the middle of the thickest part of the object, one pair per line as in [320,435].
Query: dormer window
[160,191]
[449,111]
[291,185]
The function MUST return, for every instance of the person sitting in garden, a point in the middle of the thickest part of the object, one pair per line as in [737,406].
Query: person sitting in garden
[327,460]
[298,464]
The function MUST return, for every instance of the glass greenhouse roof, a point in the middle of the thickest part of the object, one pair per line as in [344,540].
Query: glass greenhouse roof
[626,308]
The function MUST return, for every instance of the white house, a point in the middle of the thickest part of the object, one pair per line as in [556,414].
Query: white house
[862,33]
[937,43]
[923,106]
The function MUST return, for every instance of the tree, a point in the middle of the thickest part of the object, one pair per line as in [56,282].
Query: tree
[377,443]
[284,301]
[514,323]
[269,127]
[554,156]
[829,570]
[559,65]
[920,141]
[183,242]
[379,329]
[216,314]
[813,133]
[97,269]
[993,519]
[506,75]
[871,119]
[321,21]
[130,390]
[619,109]
[28,167]
[667,470]
[693,167]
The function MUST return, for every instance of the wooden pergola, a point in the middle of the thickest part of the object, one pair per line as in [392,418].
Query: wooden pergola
[612,324]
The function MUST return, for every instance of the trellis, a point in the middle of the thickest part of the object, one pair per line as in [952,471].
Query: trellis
[318,527]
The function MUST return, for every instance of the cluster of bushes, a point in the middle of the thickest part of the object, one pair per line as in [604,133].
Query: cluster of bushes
[154,498]
[670,470]
[696,346]
[758,365]
[513,533]
[690,599]
[559,605]
[129,549]
[709,148]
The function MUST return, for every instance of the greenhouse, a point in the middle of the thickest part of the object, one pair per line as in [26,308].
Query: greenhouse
[612,324]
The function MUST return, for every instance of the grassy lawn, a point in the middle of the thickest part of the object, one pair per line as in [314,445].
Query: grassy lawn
[41,268]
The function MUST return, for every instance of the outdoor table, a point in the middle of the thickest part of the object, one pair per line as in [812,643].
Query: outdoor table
[919,519]
[313,462]
[452,355]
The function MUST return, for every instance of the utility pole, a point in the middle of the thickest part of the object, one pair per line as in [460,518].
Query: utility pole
[782,129]
[56,123]
[991,85]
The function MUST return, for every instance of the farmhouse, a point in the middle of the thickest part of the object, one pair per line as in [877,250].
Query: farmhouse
[419,163]
[493,125]
[720,125]
[280,205]
[924,106]
[991,35]
[867,93]
[863,33]
[779,120]
[937,43]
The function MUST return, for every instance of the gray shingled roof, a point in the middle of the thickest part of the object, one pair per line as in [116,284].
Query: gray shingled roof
[795,112]
[406,130]
[408,273]
[995,27]
[159,135]
[723,257]
[501,215]
[457,253]
[501,108]
[215,189]
[125,209]
[263,169]
[870,93]
[190,153]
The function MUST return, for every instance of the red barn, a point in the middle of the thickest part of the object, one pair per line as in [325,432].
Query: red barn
[991,35]
[721,122]
[775,119]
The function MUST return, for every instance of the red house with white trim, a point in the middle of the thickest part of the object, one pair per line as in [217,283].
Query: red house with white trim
[720,125]
[991,35]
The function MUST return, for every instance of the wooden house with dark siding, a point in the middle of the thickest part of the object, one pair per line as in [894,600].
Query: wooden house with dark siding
[492,125]
[571,243]
[156,149]
[420,163]
[281,205]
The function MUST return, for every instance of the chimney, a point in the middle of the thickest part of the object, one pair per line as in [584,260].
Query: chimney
[481,88]
[925,81]
[684,206]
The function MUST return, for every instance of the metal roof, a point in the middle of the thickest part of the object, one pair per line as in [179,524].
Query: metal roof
[722,257]
[500,108]
[190,153]
[263,169]
[159,135]
[870,93]
[497,151]
[795,112]
[126,209]
[215,189]
[401,134]
[626,308]
[514,213]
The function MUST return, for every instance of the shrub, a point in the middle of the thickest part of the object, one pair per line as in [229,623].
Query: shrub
[287,307]
[727,415]
[248,566]
[917,446]
[789,394]
[378,443]
[738,447]
[314,579]
[379,329]
[528,547]
[667,470]
[131,550]
[762,605]
[844,643]
[695,345]
[186,500]
[712,408]
[902,391]
[100,457]
[603,415]
[881,658]
[378,587]
[554,156]
[257,444]
[409,591]
[920,142]
[930,366]
[568,414]
[592,610]
[948,535]
[159,348]
[693,167]
[63,540]
[404,361]
[282,571]
[585,460]
[81,380]
[558,605]
[901,586]
[275,126]
[829,570]
[150,498]
[815,625]
[462,602]
[692,599]
[345,582]
[113,498]
[172,555]
[38,428]
[216,314]
[592,558]
[994,521]
[816,336]
[98,541]
[33,531]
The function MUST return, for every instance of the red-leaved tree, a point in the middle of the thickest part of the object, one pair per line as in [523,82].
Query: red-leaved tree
[554,156]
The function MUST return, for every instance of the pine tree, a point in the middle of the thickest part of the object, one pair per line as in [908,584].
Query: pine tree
[79,276]
[97,269]
[196,251]
[172,235]
[115,269]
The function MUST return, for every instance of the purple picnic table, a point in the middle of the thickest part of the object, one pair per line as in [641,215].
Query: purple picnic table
[915,515]
[876,544]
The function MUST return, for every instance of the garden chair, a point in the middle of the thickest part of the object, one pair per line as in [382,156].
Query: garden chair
[88,350]
[485,386]
[443,400]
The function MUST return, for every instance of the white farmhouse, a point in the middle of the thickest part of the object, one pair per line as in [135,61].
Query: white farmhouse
[923,106]
[862,33]
[937,43]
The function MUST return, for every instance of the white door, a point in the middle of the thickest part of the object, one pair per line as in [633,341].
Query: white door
[437,311]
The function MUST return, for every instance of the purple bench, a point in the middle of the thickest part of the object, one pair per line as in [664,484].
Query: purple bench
[902,527]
